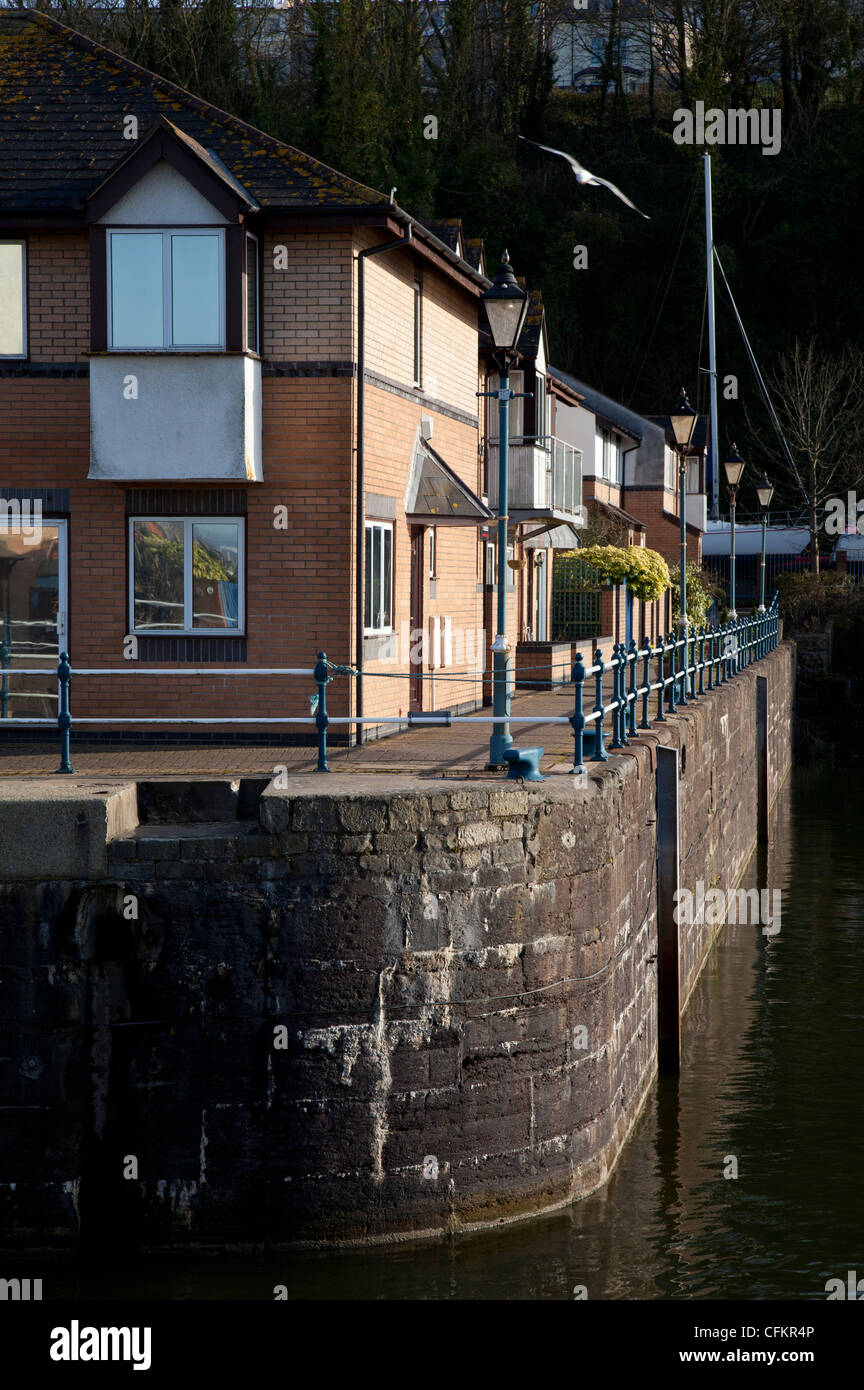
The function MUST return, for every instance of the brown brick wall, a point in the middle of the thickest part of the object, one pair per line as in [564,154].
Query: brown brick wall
[58,296]
[306,307]
[300,592]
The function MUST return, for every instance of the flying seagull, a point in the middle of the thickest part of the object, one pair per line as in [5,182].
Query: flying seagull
[584,176]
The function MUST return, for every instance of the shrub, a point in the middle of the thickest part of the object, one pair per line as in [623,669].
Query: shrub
[701,592]
[807,601]
[645,572]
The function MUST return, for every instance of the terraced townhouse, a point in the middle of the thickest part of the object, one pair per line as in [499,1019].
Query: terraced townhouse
[239,391]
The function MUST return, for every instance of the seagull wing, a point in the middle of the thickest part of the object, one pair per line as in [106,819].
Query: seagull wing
[574,163]
[594,178]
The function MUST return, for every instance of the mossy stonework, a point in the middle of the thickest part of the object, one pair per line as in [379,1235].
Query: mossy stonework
[387,1006]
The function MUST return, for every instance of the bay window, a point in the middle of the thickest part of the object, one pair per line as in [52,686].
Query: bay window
[379,577]
[166,290]
[186,575]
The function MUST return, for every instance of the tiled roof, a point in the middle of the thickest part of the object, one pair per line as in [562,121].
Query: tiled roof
[447,229]
[63,98]
[637,426]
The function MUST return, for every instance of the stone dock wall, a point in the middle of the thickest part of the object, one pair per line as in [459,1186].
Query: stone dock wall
[368,1008]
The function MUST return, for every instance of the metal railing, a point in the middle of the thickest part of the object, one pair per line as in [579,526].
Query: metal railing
[705,658]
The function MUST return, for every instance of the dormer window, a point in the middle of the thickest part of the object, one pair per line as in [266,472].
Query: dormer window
[166,290]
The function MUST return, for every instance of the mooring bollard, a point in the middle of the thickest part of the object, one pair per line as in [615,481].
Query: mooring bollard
[578,717]
[64,718]
[599,755]
[321,720]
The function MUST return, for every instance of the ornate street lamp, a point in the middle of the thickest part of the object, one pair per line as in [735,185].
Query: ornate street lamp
[682,422]
[734,466]
[506,305]
[764,491]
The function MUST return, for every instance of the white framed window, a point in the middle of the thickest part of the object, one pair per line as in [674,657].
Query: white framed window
[253,312]
[418,330]
[433,552]
[540,429]
[670,470]
[166,289]
[13,297]
[186,575]
[379,577]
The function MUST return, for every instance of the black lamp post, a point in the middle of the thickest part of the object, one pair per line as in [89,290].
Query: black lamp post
[764,491]
[506,305]
[734,466]
[682,422]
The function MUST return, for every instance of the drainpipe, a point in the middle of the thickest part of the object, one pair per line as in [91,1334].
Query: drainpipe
[361,452]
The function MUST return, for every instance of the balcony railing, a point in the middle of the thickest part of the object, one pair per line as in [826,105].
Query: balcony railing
[545,475]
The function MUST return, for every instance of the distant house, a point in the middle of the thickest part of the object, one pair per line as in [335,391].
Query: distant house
[630,478]
[578,41]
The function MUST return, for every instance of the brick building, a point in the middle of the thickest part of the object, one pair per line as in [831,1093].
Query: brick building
[240,392]
[630,477]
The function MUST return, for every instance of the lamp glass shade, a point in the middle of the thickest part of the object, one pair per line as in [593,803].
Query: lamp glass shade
[682,421]
[506,305]
[764,491]
[734,466]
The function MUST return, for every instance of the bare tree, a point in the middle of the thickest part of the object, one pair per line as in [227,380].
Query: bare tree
[819,399]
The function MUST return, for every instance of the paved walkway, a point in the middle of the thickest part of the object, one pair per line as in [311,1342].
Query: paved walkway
[425,751]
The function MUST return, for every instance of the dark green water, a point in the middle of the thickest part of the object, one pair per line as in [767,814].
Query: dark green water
[773,1045]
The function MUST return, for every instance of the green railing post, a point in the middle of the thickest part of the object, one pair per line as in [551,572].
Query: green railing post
[712,649]
[671,697]
[631,707]
[618,739]
[645,722]
[702,660]
[578,717]
[661,679]
[321,677]
[599,755]
[683,672]
[64,718]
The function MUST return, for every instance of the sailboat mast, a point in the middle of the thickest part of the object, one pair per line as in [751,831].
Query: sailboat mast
[714,442]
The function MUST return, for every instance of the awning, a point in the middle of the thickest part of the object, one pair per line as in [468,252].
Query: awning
[437,495]
[563,537]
